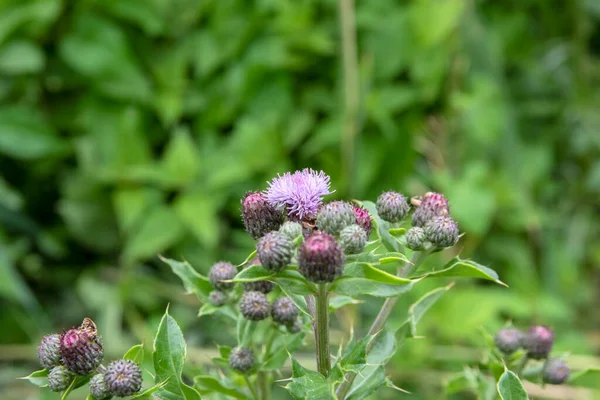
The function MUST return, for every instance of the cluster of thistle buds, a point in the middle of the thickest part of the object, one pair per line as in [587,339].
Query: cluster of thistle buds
[79,352]
[537,343]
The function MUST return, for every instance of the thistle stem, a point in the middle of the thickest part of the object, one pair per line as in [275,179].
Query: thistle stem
[322,330]
[252,388]
[385,312]
[264,379]
[522,365]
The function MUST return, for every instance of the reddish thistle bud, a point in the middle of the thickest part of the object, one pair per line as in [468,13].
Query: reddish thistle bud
[538,342]
[431,205]
[81,348]
[320,258]
[259,216]
[363,219]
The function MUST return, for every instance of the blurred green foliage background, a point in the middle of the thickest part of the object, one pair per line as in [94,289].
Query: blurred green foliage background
[130,128]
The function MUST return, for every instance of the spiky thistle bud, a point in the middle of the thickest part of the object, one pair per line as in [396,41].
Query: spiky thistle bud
[392,206]
[98,388]
[431,205]
[59,378]
[274,250]
[335,216]
[353,239]
[556,372]
[220,272]
[296,326]
[442,232]
[416,239]
[363,219]
[81,348]
[241,359]
[255,306]
[538,341]
[320,258]
[291,229]
[217,298]
[257,286]
[259,216]
[508,340]
[49,351]
[284,311]
[123,378]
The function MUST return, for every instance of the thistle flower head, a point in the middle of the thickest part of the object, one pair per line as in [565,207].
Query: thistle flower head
[274,250]
[415,238]
[556,372]
[217,298]
[241,359]
[353,239]
[284,311]
[431,205]
[98,388]
[49,351]
[538,342]
[363,219]
[300,193]
[259,216]
[222,271]
[123,378]
[335,216]
[81,348]
[508,340]
[257,286]
[320,258]
[255,306]
[59,378]
[392,206]
[291,229]
[441,231]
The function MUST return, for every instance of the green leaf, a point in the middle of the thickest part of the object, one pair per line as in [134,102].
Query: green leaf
[371,379]
[244,330]
[417,310]
[207,309]
[368,271]
[282,347]
[169,356]
[466,268]
[294,282]
[135,354]
[38,378]
[21,57]
[148,392]
[351,286]
[253,273]
[588,377]
[207,384]
[510,387]
[26,135]
[382,228]
[193,282]
[198,211]
[181,161]
[337,302]
[308,385]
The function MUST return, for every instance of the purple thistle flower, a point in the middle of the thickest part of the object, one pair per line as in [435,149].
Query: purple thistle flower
[301,193]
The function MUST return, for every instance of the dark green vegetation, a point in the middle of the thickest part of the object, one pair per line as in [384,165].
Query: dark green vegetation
[130,128]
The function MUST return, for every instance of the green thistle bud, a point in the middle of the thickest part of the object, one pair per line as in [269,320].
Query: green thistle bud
[320,258]
[392,206]
[508,340]
[98,388]
[259,216]
[123,378]
[335,216]
[217,298]
[59,378]
[255,306]
[274,250]
[284,311]
[292,230]
[241,359]
[49,351]
[556,372]
[416,239]
[353,239]
[442,232]
[220,272]
[81,348]
[257,286]
[431,205]
[538,341]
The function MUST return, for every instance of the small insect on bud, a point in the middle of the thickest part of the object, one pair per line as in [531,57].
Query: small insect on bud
[98,388]
[49,351]
[431,205]
[392,206]
[81,348]
[538,341]
[353,239]
[257,286]
[123,378]
[416,239]
[217,298]
[292,230]
[59,378]
[274,250]
[284,311]
[320,258]
[363,219]
[259,216]
[241,359]
[255,306]
[556,372]
[220,272]
[335,216]
[508,340]
[442,232]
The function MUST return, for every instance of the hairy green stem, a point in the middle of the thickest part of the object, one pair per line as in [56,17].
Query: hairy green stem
[322,330]
[264,379]
[382,318]
[252,388]
[351,89]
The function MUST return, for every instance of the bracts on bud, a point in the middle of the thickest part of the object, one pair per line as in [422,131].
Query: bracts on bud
[392,206]
[59,378]
[416,239]
[49,351]
[123,378]
[508,340]
[442,232]
[259,216]
[241,359]
[98,388]
[353,239]
[538,341]
[284,311]
[556,372]
[431,205]
[217,298]
[335,216]
[255,306]
[220,273]
[292,230]
[274,250]
[363,219]
[81,348]
[320,258]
